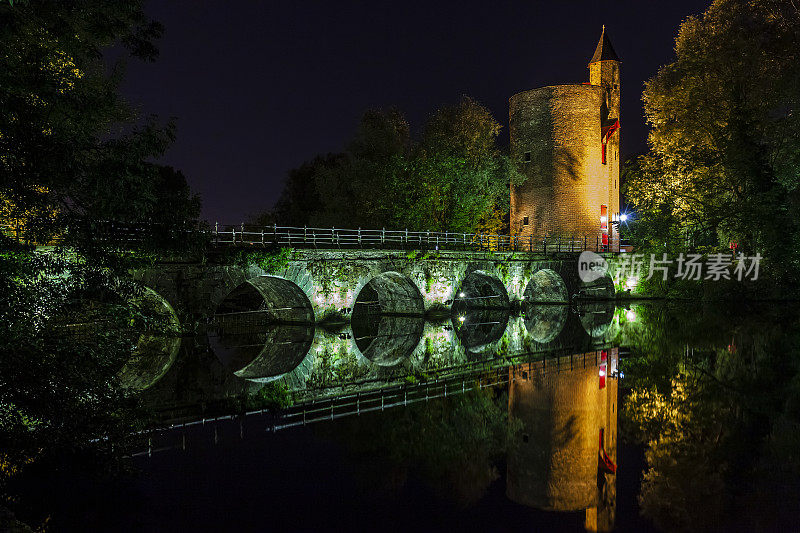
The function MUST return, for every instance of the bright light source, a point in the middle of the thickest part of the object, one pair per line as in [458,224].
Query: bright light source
[462,318]
[603,219]
[623,217]
[630,315]
[631,283]
[461,295]
[602,372]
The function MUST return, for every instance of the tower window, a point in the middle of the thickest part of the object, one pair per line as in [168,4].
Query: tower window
[527,157]
[524,221]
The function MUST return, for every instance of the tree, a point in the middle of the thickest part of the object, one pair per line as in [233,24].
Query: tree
[454,178]
[725,129]
[71,150]
[360,190]
[73,156]
[299,200]
[719,422]
[461,176]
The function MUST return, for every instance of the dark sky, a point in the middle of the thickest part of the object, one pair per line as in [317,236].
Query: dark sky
[259,87]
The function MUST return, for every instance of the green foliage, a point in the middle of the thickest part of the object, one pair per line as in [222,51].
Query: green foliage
[272,396]
[73,159]
[725,141]
[502,271]
[454,178]
[72,153]
[66,330]
[271,261]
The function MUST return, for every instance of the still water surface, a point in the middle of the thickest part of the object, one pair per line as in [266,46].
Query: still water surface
[564,418]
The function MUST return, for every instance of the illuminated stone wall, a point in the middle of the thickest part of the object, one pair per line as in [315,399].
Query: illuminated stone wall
[333,279]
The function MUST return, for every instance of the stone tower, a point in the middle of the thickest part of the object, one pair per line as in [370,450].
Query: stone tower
[565,140]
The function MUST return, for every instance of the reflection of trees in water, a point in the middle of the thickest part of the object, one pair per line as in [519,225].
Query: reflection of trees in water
[721,421]
[454,443]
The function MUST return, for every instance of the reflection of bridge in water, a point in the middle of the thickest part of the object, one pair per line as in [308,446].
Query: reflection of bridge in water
[563,407]
[377,350]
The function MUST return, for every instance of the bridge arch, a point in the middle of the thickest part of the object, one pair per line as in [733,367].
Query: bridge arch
[479,330]
[387,320]
[546,286]
[601,288]
[480,311]
[480,290]
[263,328]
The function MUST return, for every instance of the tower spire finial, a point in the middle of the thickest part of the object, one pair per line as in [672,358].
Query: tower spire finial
[604,50]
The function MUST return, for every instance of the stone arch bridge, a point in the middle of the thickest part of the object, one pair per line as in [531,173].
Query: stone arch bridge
[379,311]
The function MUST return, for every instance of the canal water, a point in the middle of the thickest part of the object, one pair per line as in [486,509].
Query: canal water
[647,416]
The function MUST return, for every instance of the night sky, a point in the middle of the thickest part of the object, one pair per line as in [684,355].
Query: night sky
[259,87]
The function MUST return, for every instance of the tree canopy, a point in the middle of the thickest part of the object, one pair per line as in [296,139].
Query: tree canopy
[71,148]
[452,178]
[724,155]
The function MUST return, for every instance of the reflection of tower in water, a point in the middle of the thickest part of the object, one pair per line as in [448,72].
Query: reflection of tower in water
[566,451]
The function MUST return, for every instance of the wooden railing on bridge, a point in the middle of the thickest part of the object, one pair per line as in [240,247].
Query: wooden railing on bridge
[310,237]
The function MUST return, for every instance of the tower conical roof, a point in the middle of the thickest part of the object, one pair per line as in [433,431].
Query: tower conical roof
[604,50]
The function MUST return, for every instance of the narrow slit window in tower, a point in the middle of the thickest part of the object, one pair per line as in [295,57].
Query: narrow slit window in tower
[527,157]
[524,221]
